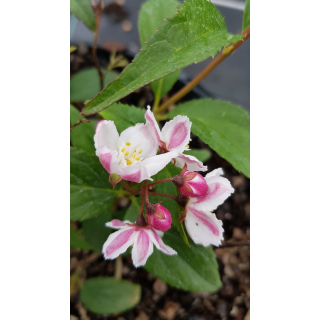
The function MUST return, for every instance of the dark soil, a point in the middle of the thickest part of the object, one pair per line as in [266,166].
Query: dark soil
[159,300]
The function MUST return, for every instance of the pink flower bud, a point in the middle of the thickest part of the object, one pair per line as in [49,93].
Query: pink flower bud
[194,185]
[158,216]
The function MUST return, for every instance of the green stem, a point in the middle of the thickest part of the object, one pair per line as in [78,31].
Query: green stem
[158,96]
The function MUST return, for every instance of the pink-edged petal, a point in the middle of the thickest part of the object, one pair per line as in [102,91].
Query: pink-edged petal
[176,133]
[106,136]
[118,242]
[154,236]
[109,160]
[118,224]
[150,119]
[140,136]
[219,190]
[142,248]
[192,162]
[203,228]
[153,165]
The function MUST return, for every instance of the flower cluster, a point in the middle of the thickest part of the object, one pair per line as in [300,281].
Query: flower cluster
[136,155]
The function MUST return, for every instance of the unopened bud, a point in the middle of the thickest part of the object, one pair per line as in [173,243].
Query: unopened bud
[114,179]
[194,185]
[158,216]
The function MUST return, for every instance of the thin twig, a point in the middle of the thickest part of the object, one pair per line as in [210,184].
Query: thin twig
[214,63]
[79,122]
[160,181]
[118,268]
[235,244]
[125,186]
[143,193]
[97,9]
[162,195]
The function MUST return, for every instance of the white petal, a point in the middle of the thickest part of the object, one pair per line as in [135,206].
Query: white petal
[192,162]
[176,133]
[140,136]
[109,160]
[118,242]
[154,236]
[219,190]
[150,119]
[154,164]
[203,228]
[142,248]
[214,173]
[106,136]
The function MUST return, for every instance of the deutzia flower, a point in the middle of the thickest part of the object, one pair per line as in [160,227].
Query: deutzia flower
[175,136]
[158,216]
[202,225]
[131,156]
[139,234]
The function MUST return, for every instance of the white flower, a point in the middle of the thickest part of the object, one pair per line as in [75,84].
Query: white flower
[142,237]
[133,154]
[175,136]
[202,225]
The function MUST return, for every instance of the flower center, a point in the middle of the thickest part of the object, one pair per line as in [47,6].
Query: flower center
[129,154]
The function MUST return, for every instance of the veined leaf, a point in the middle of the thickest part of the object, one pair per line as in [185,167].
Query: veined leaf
[192,269]
[109,295]
[201,154]
[76,240]
[225,127]
[91,191]
[83,11]
[151,16]
[85,84]
[195,33]
[124,116]
[95,231]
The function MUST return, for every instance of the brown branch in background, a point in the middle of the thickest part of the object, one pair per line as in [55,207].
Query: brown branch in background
[97,10]
[213,64]
[235,244]
[79,122]
[118,268]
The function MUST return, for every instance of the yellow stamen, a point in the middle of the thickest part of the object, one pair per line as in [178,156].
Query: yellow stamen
[128,144]
[123,149]
[140,151]
[128,162]
[187,146]
[137,158]
[126,154]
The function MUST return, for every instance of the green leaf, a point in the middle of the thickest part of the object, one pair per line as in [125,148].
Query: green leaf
[90,190]
[225,127]
[95,231]
[76,240]
[109,295]
[169,188]
[201,154]
[167,83]
[85,84]
[83,11]
[152,15]
[124,116]
[134,209]
[246,16]
[192,269]
[82,135]
[197,32]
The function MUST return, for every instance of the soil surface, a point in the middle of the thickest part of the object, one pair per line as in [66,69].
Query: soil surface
[158,299]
